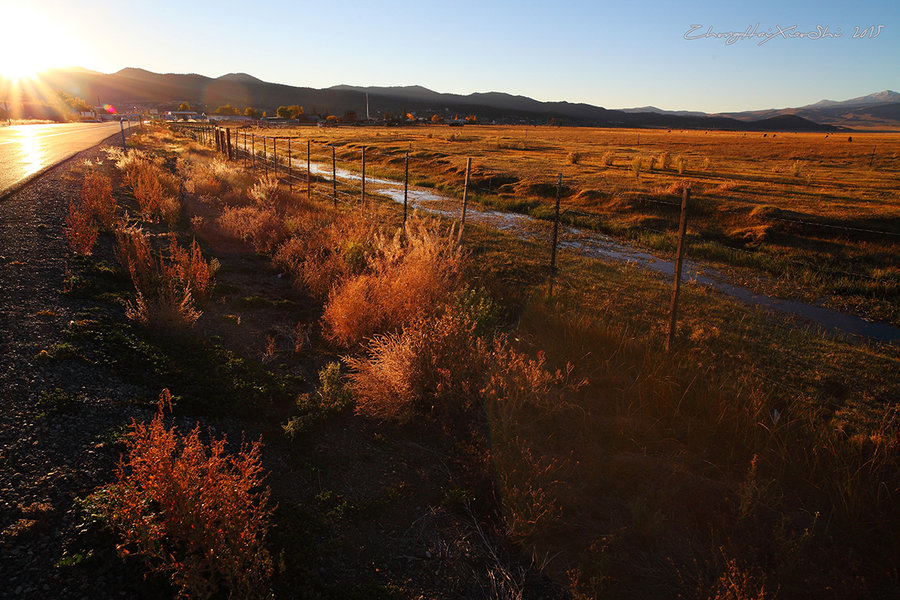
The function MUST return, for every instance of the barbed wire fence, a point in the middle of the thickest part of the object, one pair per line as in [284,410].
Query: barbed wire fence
[310,165]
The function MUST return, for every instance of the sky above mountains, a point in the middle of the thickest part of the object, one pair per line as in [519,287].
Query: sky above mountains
[713,57]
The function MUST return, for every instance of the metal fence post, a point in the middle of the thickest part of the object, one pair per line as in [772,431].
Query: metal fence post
[333,176]
[679,254]
[363,200]
[555,225]
[290,169]
[405,188]
[462,224]
[308,185]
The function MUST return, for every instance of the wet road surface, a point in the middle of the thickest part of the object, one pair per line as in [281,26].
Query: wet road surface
[26,150]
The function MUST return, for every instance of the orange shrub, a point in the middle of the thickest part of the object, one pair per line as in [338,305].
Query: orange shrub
[431,366]
[263,227]
[81,230]
[406,278]
[320,255]
[155,189]
[191,510]
[190,268]
[97,198]
[164,288]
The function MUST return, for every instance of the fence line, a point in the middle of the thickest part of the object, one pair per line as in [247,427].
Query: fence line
[221,138]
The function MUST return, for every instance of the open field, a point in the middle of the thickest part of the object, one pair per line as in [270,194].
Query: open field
[481,437]
[810,216]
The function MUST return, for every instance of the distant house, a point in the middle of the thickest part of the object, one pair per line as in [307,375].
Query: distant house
[181,115]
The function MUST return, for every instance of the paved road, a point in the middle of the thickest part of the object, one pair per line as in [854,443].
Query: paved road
[29,149]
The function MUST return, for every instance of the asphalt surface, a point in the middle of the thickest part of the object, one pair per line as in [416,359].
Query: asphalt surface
[28,150]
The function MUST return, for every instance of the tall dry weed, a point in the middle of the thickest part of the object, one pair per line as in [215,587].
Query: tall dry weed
[97,198]
[156,190]
[164,288]
[431,367]
[81,230]
[405,278]
[190,269]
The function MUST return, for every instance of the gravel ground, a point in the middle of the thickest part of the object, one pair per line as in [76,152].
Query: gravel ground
[46,461]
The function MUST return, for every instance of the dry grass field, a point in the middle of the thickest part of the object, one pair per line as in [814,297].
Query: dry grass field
[807,215]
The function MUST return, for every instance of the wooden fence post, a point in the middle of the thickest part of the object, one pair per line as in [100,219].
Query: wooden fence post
[274,156]
[679,254]
[308,185]
[290,168]
[555,225]
[333,176]
[253,150]
[462,224]
[228,143]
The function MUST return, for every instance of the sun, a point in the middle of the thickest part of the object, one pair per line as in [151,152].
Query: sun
[31,43]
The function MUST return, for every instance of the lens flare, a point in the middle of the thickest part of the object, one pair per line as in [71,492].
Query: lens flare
[110,109]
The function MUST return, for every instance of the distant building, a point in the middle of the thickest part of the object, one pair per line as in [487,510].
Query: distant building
[181,115]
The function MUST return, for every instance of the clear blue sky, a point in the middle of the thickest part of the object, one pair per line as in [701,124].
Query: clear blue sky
[615,54]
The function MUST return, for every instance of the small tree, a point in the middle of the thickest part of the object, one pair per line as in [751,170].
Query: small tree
[251,112]
[283,112]
[437,119]
[471,119]
[184,107]
[295,111]
[226,109]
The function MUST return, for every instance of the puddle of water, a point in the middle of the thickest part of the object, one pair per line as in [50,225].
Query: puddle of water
[599,246]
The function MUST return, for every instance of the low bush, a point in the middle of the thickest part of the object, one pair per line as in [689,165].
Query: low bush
[262,227]
[320,255]
[156,190]
[192,511]
[334,397]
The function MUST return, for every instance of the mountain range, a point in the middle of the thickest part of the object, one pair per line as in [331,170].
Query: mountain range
[133,87]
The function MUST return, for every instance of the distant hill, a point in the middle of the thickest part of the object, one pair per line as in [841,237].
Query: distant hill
[880,110]
[134,87]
